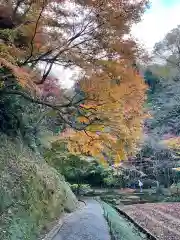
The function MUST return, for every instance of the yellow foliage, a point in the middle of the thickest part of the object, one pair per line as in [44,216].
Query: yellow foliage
[114,93]
[117,114]
[83,119]
[51,33]
[173,143]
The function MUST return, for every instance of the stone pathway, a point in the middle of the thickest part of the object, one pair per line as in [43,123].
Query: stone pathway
[85,224]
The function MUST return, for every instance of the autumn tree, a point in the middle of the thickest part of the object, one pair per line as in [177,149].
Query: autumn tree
[93,37]
[168,50]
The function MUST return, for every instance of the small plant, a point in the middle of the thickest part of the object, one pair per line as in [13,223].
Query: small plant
[81,189]
[119,227]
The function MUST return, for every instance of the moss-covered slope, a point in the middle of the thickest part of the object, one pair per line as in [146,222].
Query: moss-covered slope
[32,194]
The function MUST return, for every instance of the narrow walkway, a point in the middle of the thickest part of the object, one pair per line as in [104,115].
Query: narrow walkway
[85,224]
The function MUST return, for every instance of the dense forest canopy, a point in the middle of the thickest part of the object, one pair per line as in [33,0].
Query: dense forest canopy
[121,107]
[160,150]
[104,113]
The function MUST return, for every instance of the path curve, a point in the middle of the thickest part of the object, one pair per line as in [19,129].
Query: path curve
[85,224]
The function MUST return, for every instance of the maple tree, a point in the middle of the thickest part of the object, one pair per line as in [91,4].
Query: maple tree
[112,113]
[106,112]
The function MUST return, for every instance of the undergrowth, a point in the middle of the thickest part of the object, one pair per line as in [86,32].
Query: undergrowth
[32,193]
[119,227]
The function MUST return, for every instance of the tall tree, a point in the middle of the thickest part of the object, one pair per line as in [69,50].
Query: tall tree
[115,107]
[93,37]
[168,49]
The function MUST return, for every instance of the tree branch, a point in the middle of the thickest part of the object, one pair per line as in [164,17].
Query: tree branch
[33,100]
[17,6]
[58,108]
[77,35]
[35,31]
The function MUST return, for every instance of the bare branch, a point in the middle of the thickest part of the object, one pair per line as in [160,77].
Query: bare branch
[35,31]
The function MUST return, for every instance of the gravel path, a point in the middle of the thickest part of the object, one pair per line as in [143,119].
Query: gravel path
[85,224]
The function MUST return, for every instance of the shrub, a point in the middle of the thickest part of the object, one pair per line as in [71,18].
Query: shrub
[81,189]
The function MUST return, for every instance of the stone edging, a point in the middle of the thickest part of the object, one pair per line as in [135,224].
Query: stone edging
[52,233]
[144,230]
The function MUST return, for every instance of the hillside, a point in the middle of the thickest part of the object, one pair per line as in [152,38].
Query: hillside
[156,158]
[32,194]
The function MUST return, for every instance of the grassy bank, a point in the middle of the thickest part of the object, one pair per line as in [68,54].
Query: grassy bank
[32,194]
[121,228]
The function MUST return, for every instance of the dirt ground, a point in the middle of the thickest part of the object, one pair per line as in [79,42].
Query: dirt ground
[162,220]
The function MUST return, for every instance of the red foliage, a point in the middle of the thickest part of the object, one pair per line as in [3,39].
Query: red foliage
[50,88]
